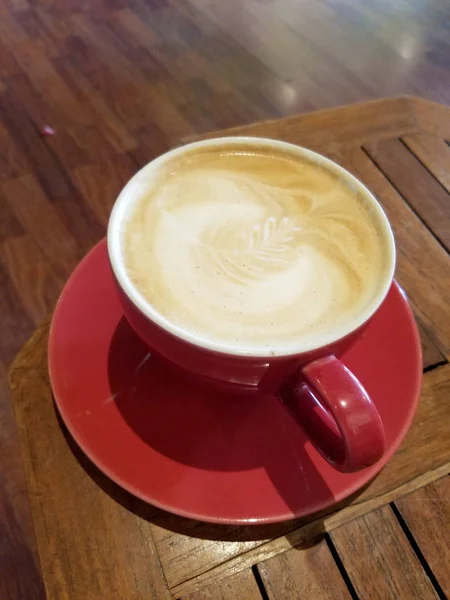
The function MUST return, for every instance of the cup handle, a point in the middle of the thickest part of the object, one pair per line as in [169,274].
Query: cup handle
[336,413]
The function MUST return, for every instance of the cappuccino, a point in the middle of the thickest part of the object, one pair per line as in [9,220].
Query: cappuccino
[254,247]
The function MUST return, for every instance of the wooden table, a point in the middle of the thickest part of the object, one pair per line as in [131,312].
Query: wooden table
[96,541]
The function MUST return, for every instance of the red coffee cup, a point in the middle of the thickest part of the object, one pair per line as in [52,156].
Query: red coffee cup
[324,397]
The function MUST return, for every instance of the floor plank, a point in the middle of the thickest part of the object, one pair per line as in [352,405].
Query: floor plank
[19,572]
[31,276]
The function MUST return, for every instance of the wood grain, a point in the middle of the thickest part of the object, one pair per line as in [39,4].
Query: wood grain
[330,131]
[379,560]
[38,111]
[12,162]
[432,118]
[39,217]
[113,130]
[427,514]
[309,573]
[421,260]
[434,153]
[65,107]
[10,226]
[19,576]
[16,325]
[242,585]
[416,184]
[31,275]
[33,149]
[100,184]
[80,525]
[430,349]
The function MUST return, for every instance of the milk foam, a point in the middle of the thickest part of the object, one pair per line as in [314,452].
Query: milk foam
[253,248]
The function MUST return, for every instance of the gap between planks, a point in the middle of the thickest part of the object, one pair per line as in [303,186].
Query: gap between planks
[418,552]
[300,535]
[403,197]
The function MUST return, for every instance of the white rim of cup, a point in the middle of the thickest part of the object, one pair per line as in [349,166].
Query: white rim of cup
[127,199]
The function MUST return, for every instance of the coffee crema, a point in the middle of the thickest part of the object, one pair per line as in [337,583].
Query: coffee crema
[253,248]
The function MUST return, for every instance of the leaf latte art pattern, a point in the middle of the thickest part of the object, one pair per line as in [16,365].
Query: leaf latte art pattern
[264,247]
[252,249]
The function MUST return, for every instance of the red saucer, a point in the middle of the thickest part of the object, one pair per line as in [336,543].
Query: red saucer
[201,453]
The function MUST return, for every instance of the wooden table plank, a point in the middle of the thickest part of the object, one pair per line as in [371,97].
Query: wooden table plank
[309,573]
[243,585]
[379,560]
[429,199]
[421,260]
[81,521]
[332,130]
[432,117]
[432,355]
[426,513]
[434,153]
[19,576]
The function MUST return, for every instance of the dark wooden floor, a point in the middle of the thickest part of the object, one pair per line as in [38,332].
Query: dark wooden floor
[120,81]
